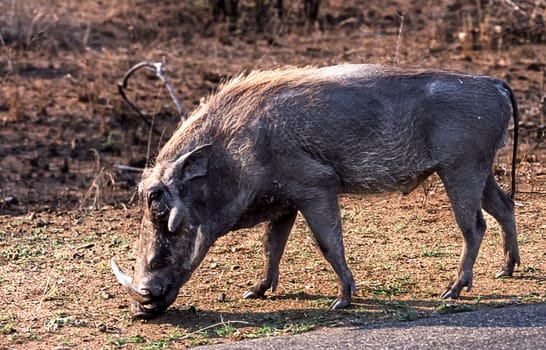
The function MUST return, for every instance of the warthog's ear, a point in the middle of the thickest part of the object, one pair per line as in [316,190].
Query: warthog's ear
[188,166]
[194,163]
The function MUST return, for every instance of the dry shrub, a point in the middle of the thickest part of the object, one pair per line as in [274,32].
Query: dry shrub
[492,24]
[100,189]
[23,24]
[506,21]
[40,25]
[16,111]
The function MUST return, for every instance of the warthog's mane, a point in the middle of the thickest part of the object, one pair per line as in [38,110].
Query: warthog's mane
[234,105]
[239,101]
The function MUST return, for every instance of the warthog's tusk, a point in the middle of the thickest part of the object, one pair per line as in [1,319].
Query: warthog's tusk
[138,296]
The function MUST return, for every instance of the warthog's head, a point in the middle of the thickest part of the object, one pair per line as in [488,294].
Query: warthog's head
[173,240]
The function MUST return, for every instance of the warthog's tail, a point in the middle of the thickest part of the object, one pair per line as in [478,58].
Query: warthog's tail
[515,115]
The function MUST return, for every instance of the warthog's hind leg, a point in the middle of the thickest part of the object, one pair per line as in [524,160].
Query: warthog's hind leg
[501,207]
[464,186]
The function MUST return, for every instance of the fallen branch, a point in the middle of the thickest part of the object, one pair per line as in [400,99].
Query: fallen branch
[513,5]
[128,168]
[157,67]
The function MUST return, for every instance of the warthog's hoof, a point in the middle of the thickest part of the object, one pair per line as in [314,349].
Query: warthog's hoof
[503,273]
[252,295]
[340,304]
[454,291]
[463,279]
[450,294]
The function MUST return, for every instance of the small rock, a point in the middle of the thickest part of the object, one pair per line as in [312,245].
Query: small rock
[8,330]
[11,200]
[106,295]
[40,222]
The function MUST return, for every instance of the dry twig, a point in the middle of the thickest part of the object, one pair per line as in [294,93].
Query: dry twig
[157,67]
[201,330]
[399,39]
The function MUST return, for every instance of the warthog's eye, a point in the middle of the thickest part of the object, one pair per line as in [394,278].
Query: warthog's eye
[159,210]
[154,195]
[157,205]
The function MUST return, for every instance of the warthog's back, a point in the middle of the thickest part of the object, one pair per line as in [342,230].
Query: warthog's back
[379,129]
[375,127]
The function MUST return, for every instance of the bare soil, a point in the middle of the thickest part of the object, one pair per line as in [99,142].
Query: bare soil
[66,208]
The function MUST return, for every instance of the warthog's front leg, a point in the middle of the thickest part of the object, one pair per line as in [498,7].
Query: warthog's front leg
[274,241]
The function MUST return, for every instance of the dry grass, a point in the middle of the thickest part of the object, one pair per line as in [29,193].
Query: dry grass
[403,254]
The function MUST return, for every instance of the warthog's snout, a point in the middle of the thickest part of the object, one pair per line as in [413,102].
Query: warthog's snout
[159,299]
[149,300]
[147,311]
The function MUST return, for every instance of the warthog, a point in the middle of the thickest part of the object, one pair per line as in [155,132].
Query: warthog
[271,143]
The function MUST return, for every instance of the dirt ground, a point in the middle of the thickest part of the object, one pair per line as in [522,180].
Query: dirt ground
[66,207]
